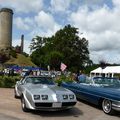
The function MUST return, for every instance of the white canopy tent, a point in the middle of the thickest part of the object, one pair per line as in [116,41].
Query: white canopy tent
[108,71]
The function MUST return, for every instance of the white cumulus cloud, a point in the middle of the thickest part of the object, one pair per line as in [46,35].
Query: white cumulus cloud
[101,28]
[24,6]
[46,23]
[21,23]
[60,5]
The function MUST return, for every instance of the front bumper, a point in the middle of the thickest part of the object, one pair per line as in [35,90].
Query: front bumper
[52,107]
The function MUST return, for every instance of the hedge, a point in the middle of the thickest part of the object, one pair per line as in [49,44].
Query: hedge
[8,81]
[63,78]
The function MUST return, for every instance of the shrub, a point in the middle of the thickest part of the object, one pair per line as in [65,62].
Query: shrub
[8,82]
[1,81]
[63,78]
[13,53]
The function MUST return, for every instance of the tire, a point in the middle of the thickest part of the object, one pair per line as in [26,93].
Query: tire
[107,106]
[23,105]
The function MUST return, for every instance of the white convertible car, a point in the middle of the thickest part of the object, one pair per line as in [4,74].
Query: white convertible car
[41,93]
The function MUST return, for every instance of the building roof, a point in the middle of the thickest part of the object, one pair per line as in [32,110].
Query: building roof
[108,69]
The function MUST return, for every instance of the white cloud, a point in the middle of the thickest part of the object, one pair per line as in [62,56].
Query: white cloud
[43,24]
[21,23]
[60,5]
[116,3]
[45,20]
[46,23]
[25,6]
[100,25]
[44,33]
[101,28]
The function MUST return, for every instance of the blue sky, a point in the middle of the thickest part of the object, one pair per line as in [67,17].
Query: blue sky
[98,20]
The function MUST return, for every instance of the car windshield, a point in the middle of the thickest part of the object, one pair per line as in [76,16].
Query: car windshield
[106,81]
[40,80]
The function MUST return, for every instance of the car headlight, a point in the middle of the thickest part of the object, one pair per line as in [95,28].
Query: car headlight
[65,97]
[44,97]
[71,96]
[36,97]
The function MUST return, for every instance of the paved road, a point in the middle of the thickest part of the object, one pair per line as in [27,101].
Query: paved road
[10,109]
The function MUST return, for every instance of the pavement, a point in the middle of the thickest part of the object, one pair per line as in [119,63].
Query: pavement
[10,109]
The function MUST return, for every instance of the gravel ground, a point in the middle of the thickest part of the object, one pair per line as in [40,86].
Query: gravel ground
[10,109]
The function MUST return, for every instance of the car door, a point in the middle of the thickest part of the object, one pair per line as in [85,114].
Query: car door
[89,93]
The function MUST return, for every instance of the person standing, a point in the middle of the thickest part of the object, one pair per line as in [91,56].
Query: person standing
[82,77]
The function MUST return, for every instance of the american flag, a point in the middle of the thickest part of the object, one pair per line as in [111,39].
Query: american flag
[63,66]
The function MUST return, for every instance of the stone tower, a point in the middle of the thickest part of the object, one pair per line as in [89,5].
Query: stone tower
[22,43]
[6,16]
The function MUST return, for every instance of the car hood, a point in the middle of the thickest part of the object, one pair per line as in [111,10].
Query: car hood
[47,89]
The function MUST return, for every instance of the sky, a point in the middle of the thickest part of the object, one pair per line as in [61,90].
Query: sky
[98,20]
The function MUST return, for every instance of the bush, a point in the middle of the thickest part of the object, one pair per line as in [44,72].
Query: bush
[63,78]
[1,81]
[13,53]
[8,82]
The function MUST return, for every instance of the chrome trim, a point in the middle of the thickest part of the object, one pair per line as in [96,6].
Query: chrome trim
[116,107]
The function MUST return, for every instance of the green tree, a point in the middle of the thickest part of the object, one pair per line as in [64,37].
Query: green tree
[37,57]
[74,48]
[54,59]
[65,46]
[38,42]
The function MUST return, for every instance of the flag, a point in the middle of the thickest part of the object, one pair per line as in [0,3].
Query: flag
[63,66]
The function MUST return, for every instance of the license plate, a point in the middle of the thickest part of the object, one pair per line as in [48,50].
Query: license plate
[57,105]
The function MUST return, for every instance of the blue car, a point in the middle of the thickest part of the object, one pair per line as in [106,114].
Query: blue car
[99,91]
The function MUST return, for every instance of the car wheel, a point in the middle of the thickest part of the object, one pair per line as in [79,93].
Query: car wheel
[107,106]
[23,105]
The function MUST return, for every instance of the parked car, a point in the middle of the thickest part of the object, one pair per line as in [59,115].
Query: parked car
[99,91]
[41,93]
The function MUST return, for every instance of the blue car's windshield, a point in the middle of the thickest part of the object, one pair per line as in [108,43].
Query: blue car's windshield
[107,81]
[40,80]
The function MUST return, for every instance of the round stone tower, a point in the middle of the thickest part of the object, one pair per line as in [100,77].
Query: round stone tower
[6,16]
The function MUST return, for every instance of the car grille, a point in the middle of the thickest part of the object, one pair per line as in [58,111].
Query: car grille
[65,104]
[43,104]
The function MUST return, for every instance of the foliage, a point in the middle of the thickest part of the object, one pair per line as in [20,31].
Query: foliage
[37,57]
[88,69]
[25,54]
[65,46]
[3,56]
[13,53]
[37,42]
[53,59]
[63,78]
[8,81]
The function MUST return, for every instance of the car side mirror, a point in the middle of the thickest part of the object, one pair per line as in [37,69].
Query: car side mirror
[17,82]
